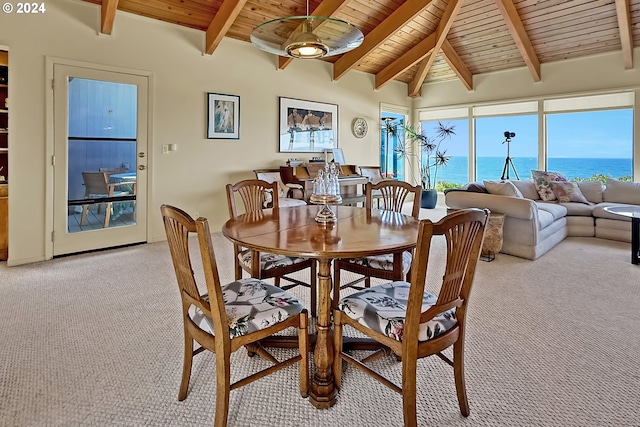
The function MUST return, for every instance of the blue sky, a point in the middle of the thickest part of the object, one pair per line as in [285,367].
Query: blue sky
[596,134]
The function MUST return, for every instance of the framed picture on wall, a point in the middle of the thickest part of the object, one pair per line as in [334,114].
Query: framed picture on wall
[307,126]
[223,116]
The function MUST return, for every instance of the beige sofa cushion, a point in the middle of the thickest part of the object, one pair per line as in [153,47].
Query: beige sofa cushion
[527,188]
[557,211]
[578,209]
[592,190]
[622,192]
[502,188]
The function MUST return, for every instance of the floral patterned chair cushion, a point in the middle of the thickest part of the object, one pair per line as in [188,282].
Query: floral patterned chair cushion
[383,309]
[383,262]
[268,261]
[251,305]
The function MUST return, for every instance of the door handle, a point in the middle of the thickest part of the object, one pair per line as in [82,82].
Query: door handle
[142,167]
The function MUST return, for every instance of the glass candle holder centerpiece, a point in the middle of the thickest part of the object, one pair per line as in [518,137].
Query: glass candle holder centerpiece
[326,192]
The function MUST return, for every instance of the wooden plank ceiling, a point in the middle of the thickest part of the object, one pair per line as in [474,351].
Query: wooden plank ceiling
[416,41]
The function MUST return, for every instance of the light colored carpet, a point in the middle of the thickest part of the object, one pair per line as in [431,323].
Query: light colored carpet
[96,339]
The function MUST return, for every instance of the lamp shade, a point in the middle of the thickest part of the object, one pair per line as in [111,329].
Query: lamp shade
[306,37]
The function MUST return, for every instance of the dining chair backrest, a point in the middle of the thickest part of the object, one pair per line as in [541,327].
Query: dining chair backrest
[252,193]
[393,194]
[178,226]
[463,231]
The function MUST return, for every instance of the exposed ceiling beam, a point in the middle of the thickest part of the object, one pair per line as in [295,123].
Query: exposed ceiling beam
[520,36]
[392,24]
[457,65]
[220,24]
[626,35]
[449,15]
[108,15]
[409,59]
[328,8]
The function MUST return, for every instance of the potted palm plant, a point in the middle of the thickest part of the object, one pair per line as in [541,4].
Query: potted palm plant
[425,155]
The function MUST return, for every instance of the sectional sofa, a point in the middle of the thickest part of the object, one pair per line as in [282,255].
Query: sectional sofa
[536,220]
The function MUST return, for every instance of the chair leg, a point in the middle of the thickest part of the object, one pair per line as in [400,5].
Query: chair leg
[409,390]
[83,217]
[223,388]
[314,288]
[107,214]
[337,348]
[186,367]
[303,346]
[458,372]
[276,281]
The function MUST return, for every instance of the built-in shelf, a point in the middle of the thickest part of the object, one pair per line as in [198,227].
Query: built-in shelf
[2,110]
[4,85]
[4,150]
[4,131]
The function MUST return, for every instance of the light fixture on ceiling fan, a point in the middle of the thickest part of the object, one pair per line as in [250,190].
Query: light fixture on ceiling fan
[306,37]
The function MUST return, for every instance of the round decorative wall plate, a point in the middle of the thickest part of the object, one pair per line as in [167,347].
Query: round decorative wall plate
[360,127]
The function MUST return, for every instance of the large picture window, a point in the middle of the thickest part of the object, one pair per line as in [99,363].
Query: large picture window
[584,137]
[583,145]
[493,148]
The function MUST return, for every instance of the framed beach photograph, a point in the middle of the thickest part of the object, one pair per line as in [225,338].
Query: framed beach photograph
[223,116]
[307,126]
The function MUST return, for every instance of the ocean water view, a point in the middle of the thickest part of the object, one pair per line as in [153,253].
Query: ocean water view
[490,168]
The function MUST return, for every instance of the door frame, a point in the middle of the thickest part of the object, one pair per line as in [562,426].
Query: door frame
[50,137]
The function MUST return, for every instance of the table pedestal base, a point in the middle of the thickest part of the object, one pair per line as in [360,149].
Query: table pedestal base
[323,393]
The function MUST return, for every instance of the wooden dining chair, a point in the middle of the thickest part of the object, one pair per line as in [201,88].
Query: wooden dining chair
[412,322]
[394,266]
[264,265]
[223,321]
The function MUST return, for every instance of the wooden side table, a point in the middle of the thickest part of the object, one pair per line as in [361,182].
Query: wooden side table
[492,243]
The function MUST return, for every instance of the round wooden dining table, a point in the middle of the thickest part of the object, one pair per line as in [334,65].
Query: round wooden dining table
[293,231]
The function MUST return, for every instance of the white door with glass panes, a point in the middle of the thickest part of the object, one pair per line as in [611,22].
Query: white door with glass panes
[100,159]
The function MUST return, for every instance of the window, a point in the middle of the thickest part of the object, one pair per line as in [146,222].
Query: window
[455,147]
[391,164]
[595,141]
[585,137]
[493,148]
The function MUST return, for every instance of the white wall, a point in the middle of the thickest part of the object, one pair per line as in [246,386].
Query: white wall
[194,176]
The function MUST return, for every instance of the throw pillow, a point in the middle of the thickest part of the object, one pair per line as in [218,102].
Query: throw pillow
[618,191]
[568,192]
[475,187]
[542,180]
[502,188]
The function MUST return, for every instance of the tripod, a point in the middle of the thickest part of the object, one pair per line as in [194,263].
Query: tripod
[508,163]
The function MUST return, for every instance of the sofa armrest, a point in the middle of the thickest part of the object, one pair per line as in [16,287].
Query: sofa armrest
[514,207]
